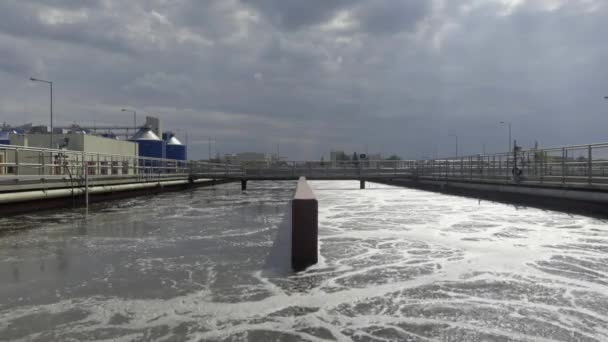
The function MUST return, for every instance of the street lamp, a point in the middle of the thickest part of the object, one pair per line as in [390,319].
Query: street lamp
[134,118]
[509,124]
[455,136]
[50,83]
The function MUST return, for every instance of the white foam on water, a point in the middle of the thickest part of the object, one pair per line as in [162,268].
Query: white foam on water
[394,264]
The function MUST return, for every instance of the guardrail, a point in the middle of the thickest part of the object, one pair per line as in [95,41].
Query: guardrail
[294,169]
[568,165]
[21,162]
[580,165]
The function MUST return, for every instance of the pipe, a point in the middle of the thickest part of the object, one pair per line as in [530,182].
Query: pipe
[57,193]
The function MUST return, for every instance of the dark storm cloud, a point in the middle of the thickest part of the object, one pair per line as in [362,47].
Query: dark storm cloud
[388,16]
[396,76]
[65,4]
[296,14]
[375,17]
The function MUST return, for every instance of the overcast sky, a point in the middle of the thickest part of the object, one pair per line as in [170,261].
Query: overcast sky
[312,75]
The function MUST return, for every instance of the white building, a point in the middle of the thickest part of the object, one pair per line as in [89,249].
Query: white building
[115,156]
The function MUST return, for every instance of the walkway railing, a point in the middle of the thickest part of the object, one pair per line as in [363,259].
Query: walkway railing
[322,169]
[29,162]
[569,165]
[580,165]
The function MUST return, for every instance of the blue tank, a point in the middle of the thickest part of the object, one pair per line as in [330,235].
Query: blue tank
[175,149]
[150,145]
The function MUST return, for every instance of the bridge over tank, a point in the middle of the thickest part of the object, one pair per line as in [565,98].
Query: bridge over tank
[569,176]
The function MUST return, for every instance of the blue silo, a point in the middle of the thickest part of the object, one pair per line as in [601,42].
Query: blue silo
[175,149]
[150,145]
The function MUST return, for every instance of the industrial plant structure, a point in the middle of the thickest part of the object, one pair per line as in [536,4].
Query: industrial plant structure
[112,140]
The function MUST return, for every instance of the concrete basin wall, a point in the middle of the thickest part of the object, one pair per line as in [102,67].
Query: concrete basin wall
[304,227]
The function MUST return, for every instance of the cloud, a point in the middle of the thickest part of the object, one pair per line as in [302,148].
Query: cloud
[389,17]
[396,76]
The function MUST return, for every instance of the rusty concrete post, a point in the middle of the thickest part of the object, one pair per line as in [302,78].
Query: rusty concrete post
[304,227]
[243,184]
[361,184]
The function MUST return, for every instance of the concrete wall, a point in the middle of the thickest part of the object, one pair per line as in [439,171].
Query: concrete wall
[78,142]
[19,140]
[110,146]
[304,227]
[588,201]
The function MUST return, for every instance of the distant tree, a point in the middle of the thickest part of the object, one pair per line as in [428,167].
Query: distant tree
[393,157]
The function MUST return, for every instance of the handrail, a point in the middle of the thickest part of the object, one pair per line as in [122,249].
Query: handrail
[573,164]
[25,160]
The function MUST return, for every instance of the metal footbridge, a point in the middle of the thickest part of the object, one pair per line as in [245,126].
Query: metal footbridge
[581,166]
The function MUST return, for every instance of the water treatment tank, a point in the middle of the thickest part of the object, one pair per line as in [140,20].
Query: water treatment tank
[150,145]
[175,149]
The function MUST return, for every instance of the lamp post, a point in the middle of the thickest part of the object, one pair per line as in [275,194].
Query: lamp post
[509,124]
[134,118]
[50,83]
[456,137]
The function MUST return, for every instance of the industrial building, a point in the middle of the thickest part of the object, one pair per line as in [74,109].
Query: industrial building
[114,156]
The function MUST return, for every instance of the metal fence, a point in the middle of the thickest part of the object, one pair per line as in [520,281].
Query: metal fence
[20,162]
[569,165]
[332,169]
[580,165]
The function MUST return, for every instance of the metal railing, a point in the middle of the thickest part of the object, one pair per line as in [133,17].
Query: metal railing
[579,165]
[335,169]
[29,162]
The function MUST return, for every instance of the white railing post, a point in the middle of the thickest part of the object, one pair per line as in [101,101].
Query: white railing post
[17,161]
[564,156]
[590,164]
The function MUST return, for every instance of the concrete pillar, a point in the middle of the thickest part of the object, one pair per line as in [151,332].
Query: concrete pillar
[304,227]
[361,184]
[243,184]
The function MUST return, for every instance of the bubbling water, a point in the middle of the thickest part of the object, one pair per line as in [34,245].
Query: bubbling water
[395,264]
